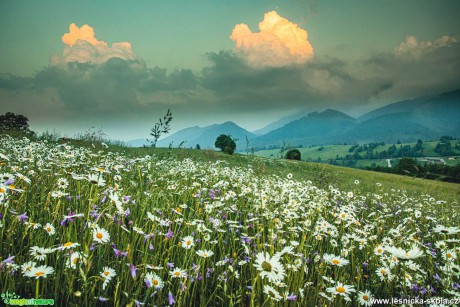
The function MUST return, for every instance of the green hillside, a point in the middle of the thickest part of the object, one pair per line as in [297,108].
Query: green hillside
[327,152]
[321,175]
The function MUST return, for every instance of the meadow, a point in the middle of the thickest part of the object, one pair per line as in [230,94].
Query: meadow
[327,152]
[95,226]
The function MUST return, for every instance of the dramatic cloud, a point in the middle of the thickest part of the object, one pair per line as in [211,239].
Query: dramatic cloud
[82,47]
[325,82]
[95,84]
[411,46]
[279,42]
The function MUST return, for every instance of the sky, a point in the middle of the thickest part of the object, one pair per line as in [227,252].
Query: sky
[119,65]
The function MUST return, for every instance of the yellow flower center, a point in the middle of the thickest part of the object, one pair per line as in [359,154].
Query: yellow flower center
[365,297]
[68,244]
[379,251]
[335,261]
[266,266]
[48,229]
[205,255]
[106,273]
[39,274]
[343,215]
[177,273]
[2,190]
[383,272]
[75,261]
[449,255]
[156,282]
[340,289]
[99,235]
[189,242]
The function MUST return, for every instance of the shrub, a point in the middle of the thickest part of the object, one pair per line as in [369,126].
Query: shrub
[293,154]
[225,143]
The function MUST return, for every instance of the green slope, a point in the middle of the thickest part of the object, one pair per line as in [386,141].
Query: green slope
[321,175]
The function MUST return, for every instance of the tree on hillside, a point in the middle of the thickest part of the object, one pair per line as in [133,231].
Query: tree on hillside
[12,122]
[293,154]
[407,166]
[225,143]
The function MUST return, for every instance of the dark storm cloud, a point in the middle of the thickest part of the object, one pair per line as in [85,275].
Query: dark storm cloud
[228,85]
[426,68]
[109,88]
[421,71]
[324,80]
[158,79]
[14,83]
[86,87]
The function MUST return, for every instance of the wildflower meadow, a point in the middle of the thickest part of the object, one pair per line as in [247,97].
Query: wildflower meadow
[88,227]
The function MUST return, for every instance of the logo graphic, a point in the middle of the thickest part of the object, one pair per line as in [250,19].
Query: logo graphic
[11,298]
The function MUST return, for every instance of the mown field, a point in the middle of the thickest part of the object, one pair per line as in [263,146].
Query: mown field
[121,226]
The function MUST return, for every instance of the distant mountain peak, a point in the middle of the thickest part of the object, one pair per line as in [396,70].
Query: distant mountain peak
[330,113]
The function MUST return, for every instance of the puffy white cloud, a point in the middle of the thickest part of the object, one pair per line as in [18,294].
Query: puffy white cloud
[412,47]
[82,47]
[279,42]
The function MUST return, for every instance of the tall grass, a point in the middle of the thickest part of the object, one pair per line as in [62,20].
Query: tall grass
[277,236]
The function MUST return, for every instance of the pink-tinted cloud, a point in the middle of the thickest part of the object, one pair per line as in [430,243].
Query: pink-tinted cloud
[412,47]
[82,46]
[279,42]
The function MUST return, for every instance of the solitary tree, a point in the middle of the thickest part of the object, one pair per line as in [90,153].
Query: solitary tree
[12,122]
[293,154]
[225,143]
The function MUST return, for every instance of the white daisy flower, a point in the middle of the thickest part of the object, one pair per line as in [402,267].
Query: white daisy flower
[101,235]
[41,271]
[187,242]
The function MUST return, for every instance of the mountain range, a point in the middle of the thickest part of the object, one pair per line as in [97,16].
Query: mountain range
[425,118]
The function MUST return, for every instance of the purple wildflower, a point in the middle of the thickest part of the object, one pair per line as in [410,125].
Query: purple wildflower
[119,253]
[423,291]
[103,299]
[132,269]
[170,265]
[292,297]
[170,234]
[9,259]
[170,299]
[23,217]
